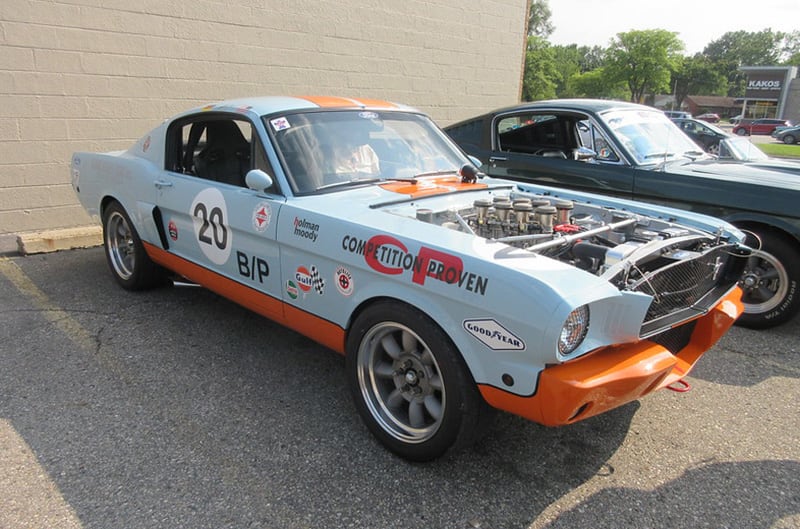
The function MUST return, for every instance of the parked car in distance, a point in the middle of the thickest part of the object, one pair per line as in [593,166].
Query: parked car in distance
[736,119]
[702,133]
[673,114]
[787,135]
[759,126]
[634,151]
[709,117]
[361,225]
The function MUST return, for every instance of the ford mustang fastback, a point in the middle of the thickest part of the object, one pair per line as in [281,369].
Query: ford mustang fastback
[361,225]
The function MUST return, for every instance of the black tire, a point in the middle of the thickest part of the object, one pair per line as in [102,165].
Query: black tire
[771,280]
[789,139]
[741,132]
[410,384]
[127,259]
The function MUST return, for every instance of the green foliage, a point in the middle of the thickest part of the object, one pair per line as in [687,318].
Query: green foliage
[596,84]
[742,48]
[541,75]
[539,23]
[698,75]
[644,59]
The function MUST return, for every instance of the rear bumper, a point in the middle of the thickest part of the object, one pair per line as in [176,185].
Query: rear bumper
[615,375]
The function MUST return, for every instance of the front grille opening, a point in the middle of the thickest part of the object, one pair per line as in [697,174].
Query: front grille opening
[675,339]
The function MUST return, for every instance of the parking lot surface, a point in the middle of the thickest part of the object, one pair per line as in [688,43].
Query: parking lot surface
[174,408]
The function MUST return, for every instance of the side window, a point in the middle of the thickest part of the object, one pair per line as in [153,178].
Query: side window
[538,134]
[594,139]
[468,133]
[217,148]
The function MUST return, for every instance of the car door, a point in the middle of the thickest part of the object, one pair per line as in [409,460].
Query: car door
[545,147]
[210,218]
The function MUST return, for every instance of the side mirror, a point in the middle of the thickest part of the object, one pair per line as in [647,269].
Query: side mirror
[258,180]
[583,154]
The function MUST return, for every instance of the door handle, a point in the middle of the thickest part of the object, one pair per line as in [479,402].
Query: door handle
[493,159]
[162,183]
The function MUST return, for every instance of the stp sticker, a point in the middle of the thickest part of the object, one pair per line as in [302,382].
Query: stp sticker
[173,230]
[261,216]
[343,280]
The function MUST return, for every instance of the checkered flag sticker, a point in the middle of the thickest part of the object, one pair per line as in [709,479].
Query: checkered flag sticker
[317,281]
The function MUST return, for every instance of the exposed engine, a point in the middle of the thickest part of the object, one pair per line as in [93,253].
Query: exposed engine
[677,265]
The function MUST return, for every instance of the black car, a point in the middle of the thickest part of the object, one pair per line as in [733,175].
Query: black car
[635,151]
[706,135]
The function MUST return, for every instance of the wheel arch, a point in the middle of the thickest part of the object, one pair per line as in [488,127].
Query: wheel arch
[428,311]
[758,222]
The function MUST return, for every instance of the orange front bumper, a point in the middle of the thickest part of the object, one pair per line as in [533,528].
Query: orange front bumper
[612,376]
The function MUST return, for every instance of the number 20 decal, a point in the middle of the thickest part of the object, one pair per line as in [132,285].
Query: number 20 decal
[209,217]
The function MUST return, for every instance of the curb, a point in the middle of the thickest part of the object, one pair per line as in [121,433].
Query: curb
[52,240]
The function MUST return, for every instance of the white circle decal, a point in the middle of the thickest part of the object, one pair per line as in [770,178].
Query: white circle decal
[210,218]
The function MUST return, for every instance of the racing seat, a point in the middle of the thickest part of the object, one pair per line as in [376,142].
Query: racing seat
[226,155]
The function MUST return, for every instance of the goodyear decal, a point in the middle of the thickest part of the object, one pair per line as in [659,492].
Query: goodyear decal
[493,335]
[387,255]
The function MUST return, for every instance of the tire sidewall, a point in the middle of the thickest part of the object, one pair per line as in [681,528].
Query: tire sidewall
[145,273]
[455,378]
[788,254]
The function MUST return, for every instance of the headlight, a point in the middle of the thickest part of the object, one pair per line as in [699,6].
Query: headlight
[574,330]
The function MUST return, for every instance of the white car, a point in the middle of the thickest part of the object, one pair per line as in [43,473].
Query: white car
[361,225]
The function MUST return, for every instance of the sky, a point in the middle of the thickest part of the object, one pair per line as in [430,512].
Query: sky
[697,22]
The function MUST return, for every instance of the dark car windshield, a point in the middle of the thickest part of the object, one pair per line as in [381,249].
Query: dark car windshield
[335,149]
[649,136]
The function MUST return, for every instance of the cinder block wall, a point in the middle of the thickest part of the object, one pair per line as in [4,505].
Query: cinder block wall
[97,74]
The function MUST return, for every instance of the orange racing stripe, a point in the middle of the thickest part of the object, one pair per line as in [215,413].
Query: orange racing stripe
[330,101]
[318,329]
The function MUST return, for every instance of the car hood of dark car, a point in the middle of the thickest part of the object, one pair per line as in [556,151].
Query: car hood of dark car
[775,173]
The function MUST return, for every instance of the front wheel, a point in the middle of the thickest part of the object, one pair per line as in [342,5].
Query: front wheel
[771,281]
[125,253]
[789,139]
[741,132]
[410,384]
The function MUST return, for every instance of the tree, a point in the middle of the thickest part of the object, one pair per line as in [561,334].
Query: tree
[644,60]
[541,75]
[697,75]
[735,49]
[596,84]
[539,23]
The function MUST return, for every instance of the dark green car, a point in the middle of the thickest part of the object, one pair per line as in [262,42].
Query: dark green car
[635,151]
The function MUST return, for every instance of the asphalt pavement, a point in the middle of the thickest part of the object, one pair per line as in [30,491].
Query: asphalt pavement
[174,408]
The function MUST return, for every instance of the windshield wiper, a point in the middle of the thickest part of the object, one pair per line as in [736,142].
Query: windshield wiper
[659,155]
[436,173]
[353,182]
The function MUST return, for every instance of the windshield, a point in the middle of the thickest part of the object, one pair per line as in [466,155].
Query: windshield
[740,149]
[649,136]
[327,149]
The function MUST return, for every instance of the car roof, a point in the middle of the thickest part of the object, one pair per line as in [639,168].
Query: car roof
[265,105]
[578,105]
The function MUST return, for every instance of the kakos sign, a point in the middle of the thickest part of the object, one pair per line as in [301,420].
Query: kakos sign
[764,86]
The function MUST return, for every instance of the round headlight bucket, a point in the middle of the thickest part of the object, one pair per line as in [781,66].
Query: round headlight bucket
[574,330]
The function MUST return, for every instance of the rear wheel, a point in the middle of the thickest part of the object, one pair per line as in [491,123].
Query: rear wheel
[410,384]
[770,282]
[126,256]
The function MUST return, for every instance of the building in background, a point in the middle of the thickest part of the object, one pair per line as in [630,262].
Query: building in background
[771,92]
[96,75]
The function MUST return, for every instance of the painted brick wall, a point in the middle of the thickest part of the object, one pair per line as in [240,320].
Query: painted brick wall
[97,74]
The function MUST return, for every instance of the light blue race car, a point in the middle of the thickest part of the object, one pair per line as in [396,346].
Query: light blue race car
[361,225]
